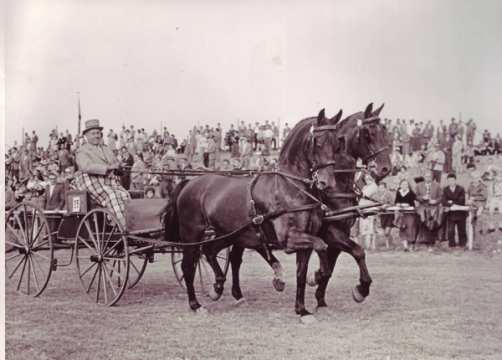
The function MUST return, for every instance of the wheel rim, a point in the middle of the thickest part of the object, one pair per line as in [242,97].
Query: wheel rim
[102,257]
[28,249]
[136,269]
[204,275]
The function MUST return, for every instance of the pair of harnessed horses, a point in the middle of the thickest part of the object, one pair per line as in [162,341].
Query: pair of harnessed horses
[283,208]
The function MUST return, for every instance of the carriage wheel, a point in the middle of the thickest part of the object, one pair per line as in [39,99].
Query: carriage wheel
[204,275]
[29,254]
[136,269]
[102,256]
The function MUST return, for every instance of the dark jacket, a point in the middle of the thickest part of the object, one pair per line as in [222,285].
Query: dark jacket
[56,201]
[457,197]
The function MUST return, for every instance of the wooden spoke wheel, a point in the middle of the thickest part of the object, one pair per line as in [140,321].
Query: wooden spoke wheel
[102,256]
[29,253]
[204,274]
[137,266]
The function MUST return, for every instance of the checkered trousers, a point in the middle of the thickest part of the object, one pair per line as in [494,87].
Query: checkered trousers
[106,191]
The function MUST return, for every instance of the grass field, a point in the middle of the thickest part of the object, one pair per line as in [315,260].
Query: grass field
[422,306]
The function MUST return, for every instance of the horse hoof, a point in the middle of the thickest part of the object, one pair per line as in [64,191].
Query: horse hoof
[214,295]
[241,302]
[279,284]
[311,280]
[321,308]
[356,295]
[201,311]
[308,319]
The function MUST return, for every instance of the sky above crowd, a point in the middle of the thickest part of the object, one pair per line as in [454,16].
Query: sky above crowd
[184,63]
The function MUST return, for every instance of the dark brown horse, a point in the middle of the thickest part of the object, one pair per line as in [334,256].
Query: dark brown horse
[337,234]
[284,206]
[366,139]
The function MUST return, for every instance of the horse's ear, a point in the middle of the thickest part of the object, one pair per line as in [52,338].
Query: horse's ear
[379,110]
[335,119]
[321,118]
[368,111]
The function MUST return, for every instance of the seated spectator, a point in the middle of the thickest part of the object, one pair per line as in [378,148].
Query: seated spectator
[225,165]
[149,193]
[454,194]
[10,196]
[54,196]
[406,222]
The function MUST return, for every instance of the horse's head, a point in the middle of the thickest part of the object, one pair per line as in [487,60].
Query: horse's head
[324,144]
[309,149]
[369,140]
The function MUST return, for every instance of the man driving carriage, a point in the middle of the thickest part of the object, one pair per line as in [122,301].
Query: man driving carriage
[98,171]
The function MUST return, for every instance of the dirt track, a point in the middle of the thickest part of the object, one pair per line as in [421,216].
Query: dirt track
[422,306]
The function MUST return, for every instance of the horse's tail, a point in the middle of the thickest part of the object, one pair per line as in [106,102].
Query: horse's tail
[171,221]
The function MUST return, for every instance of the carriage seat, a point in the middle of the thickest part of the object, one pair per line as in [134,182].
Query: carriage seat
[144,214]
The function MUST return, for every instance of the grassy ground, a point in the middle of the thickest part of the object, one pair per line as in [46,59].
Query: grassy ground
[422,306]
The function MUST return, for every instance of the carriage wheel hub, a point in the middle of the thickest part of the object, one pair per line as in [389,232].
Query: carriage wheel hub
[96,258]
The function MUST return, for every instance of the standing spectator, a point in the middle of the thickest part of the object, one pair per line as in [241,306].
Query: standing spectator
[34,141]
[285,132]
[246,153]
[477,195]
[211,153]
[494,190]
[406,222]
[429,131]
[470,132]
[275,139]
[386,220]
[461,131]
[456,149]
[453,129]
[69,140]
[126,162]
[367,225]
[64,158]
[137,174]
[405,139]
[268,136]
[112,140]
[25,164]
[436,163]
[428,207]
[454,194]
[415,140]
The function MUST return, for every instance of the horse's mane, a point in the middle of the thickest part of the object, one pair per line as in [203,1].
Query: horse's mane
[296,142]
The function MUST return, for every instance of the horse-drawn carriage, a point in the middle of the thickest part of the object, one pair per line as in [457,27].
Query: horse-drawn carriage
[209,214]
[109,257]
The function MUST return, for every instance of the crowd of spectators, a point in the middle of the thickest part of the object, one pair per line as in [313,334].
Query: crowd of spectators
[33,169]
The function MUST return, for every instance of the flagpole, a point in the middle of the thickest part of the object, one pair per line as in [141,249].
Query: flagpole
[79,115]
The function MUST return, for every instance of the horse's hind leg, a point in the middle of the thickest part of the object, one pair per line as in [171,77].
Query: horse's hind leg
[235,263]
[191,256]
[211,253]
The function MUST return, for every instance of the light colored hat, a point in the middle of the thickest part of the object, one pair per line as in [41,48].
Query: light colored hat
[91,124]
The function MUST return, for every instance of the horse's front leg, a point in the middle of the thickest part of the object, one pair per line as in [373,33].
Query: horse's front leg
[275,264]
[320,293]
[302,263]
